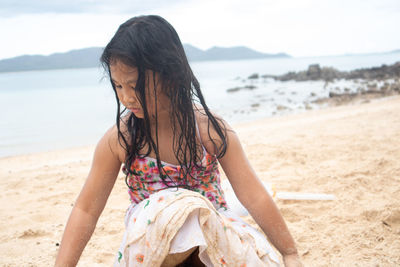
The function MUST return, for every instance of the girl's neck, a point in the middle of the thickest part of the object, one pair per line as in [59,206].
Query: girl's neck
[163,121]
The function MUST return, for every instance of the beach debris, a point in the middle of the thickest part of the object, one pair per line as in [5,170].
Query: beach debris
[237,207]
[306,252]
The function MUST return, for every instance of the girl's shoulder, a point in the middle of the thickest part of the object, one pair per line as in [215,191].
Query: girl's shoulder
[114,143]
[209,136]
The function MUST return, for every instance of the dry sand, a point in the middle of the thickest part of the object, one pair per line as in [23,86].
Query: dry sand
[350,151]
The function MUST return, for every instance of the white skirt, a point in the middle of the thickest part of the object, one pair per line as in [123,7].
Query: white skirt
[176,220]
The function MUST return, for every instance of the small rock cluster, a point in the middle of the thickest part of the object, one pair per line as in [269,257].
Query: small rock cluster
[372,82]
[328,74]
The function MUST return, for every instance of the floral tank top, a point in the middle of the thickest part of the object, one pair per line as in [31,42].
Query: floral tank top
[145,179]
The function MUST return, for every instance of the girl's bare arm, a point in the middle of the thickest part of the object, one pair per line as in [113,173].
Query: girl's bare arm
[252,194]
[91,201]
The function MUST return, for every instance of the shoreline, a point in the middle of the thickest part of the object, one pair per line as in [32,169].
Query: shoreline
[291,113]
[350,151]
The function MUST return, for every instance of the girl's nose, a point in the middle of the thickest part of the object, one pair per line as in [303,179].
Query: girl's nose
[129,95]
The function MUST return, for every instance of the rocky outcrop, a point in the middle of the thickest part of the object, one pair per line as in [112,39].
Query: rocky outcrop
[378,73]
[253,76]
[315,72]
[375,82]
[339,87]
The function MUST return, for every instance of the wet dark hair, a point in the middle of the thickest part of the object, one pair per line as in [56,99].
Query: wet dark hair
[151,43]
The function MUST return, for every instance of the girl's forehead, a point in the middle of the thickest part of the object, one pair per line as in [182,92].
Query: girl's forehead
[121,72]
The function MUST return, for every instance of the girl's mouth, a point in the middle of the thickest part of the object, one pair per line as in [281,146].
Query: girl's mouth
[134,110]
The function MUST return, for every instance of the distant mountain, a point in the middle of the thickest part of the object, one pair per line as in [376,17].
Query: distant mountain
[81,58]
[193,53]
[89,57]
[226,53]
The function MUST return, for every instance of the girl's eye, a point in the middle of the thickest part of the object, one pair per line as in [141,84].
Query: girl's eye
[118,86]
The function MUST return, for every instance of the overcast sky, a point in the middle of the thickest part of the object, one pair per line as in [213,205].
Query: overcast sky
[297,27]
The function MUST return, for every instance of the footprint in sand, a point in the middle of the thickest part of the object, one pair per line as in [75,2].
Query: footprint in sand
[388,217]
[291,215]
[105,257]
[393,219]
[30,233]
[371,215]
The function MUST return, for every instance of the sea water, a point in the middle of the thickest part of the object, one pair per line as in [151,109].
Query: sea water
[53,109]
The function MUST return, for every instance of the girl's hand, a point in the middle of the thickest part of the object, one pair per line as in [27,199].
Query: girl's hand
[292,260]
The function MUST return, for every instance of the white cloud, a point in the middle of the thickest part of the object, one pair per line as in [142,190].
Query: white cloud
[300,28]
[45,34]
[12,8]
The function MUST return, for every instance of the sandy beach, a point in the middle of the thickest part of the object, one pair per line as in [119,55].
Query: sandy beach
[350,151]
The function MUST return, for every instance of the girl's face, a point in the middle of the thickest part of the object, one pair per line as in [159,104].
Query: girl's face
[125,77]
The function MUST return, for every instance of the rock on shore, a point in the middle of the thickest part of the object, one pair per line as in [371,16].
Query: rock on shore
[315,72]
[371,83]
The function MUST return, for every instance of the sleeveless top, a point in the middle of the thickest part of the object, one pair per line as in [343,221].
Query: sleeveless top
[145,178]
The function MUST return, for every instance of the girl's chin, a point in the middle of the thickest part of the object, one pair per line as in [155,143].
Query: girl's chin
[138,115]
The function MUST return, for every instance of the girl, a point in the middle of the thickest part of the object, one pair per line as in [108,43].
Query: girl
[170,148]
